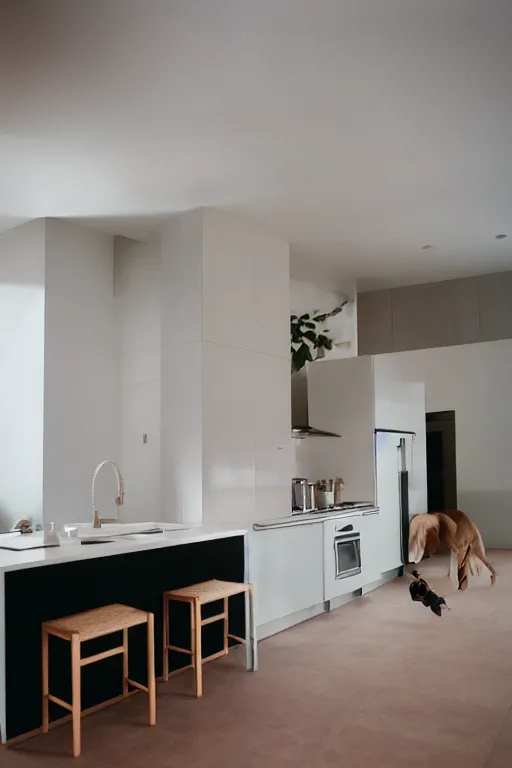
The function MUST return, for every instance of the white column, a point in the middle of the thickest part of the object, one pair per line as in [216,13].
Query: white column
[81,372]
[226,446]
[22,302]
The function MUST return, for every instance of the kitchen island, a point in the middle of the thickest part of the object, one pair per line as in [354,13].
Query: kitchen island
[42,584]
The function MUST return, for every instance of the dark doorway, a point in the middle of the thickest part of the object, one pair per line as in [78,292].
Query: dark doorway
[441,461]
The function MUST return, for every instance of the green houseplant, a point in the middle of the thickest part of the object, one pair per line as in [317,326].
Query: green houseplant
[309,339]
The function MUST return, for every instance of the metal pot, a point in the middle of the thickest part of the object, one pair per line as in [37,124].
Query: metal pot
[302,495]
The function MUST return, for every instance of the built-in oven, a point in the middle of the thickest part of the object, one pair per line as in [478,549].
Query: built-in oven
[342,556]
[347,551]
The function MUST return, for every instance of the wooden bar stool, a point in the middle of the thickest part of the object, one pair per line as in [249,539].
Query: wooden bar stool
[197,596]
[89,625]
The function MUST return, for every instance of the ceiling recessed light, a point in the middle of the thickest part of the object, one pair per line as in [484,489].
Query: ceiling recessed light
[500,237]
[426,247]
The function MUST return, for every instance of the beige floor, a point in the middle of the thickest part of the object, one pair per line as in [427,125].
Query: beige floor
[381,682]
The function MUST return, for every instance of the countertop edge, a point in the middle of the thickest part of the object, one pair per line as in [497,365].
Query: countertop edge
[67,553]
[295,520]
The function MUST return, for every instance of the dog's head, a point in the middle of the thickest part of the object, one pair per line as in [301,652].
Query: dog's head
[422,529]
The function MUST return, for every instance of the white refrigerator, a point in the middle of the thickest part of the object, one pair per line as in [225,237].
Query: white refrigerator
[394,491]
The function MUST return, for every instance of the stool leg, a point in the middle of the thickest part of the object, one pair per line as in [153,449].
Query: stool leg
[166,639]
[198,663]
[251,642]
[45,680]
[151,669]
[193,634]
[125,663]
[76,698]
[226,626]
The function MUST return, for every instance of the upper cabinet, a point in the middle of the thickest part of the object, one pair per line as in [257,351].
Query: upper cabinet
[226,282]
[245,287]
[271,298]
[340,395]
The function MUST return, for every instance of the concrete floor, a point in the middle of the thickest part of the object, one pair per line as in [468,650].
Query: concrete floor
[380,682]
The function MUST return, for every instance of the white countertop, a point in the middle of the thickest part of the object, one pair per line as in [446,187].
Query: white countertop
[73,550]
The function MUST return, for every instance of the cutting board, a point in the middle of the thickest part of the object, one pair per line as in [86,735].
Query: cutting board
[20,542]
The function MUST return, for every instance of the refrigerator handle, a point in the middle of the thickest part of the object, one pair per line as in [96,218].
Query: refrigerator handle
[403,479]
[402,450]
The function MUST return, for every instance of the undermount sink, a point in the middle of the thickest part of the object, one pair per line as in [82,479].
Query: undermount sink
[86,530]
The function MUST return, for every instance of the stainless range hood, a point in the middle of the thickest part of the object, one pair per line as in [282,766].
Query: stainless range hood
[305,431]
[301,428]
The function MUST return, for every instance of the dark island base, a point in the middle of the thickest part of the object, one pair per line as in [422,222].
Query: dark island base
[139,579]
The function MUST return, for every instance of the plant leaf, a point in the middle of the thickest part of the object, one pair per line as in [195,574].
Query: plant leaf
[300,357]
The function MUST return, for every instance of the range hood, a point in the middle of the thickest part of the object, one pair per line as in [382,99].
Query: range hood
[301,428]
[306,431]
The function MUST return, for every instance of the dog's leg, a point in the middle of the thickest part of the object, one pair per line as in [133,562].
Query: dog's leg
[479,551]
[462,574]
[452,574]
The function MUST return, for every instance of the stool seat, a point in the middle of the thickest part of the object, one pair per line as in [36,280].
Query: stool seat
[89,625]
[209,591]
[98,622]
[196,596]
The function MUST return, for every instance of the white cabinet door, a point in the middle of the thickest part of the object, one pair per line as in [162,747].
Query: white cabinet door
[271,297]
[371,547]
[245,286]
[228,436]
[140,459]
[272,436]
[226,282]
[287,570]
[388,498]
[340,394]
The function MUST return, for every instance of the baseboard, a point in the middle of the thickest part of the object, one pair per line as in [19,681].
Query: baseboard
[388,576]
[339,602]
[279,625]
[286,622]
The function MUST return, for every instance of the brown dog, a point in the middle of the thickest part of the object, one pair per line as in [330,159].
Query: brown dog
[453,530]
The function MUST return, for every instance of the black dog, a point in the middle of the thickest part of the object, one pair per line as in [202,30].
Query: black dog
[420,591]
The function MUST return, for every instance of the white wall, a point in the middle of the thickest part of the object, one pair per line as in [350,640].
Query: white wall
[81,415]
[22,303]
[137,285]
[308,297]
[474,380]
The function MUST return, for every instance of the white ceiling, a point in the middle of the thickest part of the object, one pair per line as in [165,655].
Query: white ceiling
[358,130]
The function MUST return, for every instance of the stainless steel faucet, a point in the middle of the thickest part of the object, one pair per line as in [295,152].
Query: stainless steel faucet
[96,520]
